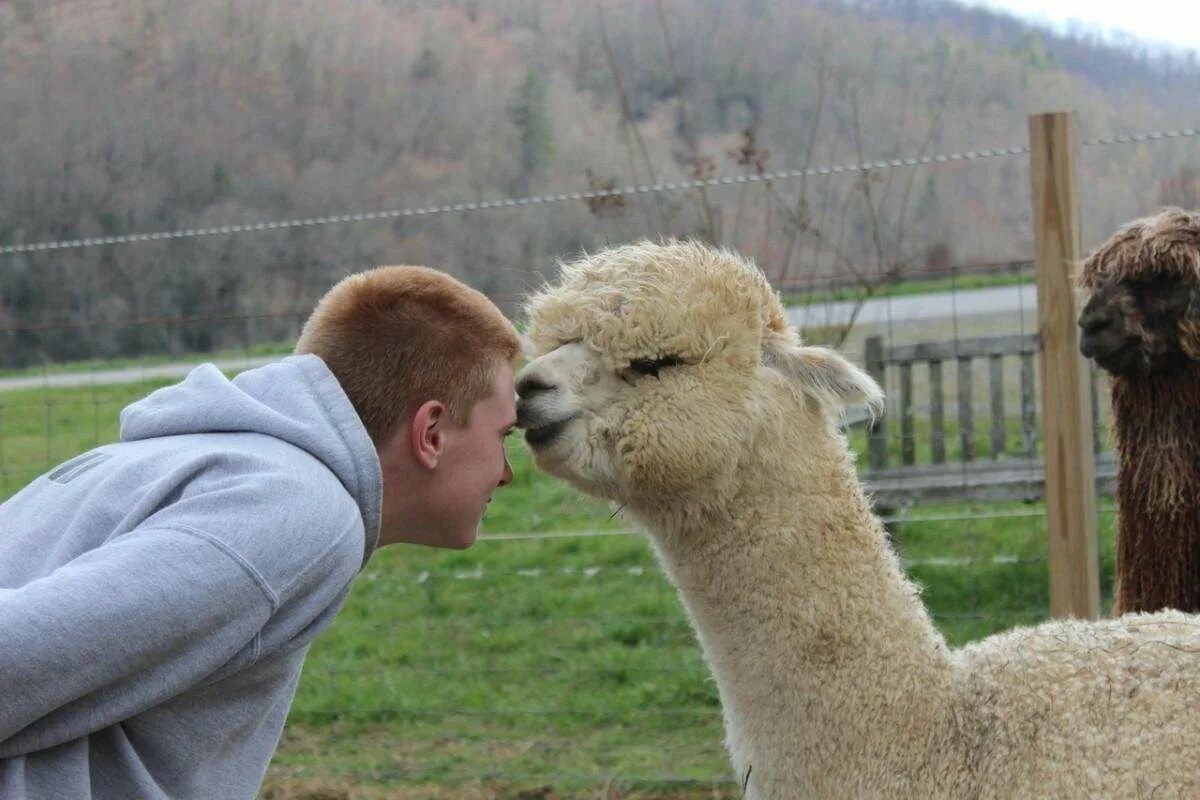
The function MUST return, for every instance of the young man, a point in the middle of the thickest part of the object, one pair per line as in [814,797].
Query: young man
[158,595]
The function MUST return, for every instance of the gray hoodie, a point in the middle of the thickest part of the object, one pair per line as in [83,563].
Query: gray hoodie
[157,596]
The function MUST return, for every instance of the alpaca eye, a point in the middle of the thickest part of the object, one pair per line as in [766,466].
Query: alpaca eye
[651,366]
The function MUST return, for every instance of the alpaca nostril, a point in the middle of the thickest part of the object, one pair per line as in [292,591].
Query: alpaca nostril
[1093,323]
[531,385]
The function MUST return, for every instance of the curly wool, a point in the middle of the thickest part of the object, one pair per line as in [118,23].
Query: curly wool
[1158,525]
[1166,244]
[1155,424]
[833,680]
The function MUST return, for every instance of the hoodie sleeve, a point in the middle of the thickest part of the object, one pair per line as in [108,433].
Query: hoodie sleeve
[180,604]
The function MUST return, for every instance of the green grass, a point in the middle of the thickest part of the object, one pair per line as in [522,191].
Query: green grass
[40,428]
[556,661]
[88,365]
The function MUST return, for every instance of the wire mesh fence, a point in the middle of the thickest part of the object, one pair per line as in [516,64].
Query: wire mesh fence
[554,653]
[554,657]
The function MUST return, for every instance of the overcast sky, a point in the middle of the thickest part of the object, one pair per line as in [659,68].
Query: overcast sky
[1173,22]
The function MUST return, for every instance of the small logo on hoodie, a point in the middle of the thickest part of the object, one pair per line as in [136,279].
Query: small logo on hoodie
[65,473]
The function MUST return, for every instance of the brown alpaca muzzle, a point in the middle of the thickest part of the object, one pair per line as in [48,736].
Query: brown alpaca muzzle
[1106,339]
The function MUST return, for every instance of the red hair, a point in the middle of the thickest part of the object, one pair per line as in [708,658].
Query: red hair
[396,337]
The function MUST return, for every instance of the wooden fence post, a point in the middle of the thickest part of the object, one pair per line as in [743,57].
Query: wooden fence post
[877,438]
[1067,411]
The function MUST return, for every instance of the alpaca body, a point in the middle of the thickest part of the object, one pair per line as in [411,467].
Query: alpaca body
[1141,324]
[709,422]
[1157,432]
[864,698]
[1079,709]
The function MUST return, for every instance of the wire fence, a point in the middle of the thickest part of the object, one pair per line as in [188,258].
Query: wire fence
[568,197]
[554,656]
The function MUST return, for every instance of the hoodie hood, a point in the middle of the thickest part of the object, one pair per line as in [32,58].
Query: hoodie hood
[297,400]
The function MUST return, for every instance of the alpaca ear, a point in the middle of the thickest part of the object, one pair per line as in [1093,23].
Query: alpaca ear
[826,376]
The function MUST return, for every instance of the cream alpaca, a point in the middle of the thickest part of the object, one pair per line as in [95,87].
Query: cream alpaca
[669,381]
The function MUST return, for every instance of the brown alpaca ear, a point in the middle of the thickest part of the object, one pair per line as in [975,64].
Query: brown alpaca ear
[1189,325]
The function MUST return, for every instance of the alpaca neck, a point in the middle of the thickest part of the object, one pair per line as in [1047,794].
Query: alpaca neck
[820,648]
[1158,542]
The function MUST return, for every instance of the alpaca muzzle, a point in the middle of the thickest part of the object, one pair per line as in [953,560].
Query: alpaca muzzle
[541,425]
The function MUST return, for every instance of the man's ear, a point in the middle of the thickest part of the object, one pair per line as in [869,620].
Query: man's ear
[426,433]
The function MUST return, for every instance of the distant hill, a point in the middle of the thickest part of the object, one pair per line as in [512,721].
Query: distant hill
[146,115]
[1118,66]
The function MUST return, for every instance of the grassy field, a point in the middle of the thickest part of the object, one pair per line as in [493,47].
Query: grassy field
[280,349]
[545,667]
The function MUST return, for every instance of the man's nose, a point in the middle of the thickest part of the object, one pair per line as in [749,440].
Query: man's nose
[507,476]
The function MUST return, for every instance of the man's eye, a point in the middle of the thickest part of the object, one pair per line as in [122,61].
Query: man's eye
[651,366]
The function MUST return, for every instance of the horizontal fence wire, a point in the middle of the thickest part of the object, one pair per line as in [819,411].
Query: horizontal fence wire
[615,716]
[479,573]
[584,622]
[885,518]
[612,785]
[535,200]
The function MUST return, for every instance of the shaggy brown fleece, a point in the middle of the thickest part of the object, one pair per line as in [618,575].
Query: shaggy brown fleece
[1157,429]
[1157,425]
[1164,245]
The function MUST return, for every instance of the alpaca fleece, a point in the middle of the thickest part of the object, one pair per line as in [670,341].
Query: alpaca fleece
[1165,244]
[1156,416]
[833,680]
[1157,430]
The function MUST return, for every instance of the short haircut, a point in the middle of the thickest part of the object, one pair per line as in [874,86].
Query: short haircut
[396,337]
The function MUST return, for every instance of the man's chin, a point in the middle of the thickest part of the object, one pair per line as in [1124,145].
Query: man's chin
[462,541]
[448,540]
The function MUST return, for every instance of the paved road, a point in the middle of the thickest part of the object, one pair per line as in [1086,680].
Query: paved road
[975,302]
[945,305]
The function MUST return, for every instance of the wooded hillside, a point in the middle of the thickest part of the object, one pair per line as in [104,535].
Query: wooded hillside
[147,115]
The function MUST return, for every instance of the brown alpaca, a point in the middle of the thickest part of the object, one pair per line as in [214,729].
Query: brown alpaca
[1142,325]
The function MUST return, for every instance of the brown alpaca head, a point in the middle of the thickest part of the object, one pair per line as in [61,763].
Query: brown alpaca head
[1135,328]
[1143,316]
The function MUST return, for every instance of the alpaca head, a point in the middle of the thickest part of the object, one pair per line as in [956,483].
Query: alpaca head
[1143,314]
[1141,327]
[658,368]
